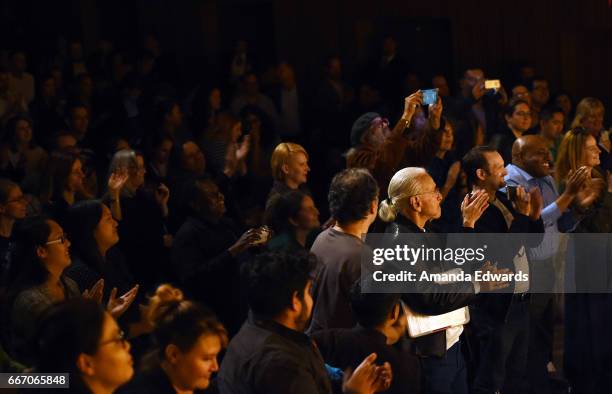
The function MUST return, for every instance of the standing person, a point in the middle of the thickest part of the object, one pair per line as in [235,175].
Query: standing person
[382,151]
[413,201]
[531,169]
[289,163]
[552,120]
[271,353]
[353,203]
[501,321]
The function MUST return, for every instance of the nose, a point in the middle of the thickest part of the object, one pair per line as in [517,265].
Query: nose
[214,366]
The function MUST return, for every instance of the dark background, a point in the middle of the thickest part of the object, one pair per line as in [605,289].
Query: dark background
[568,41]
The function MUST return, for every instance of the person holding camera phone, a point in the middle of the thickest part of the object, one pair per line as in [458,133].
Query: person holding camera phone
[501,321]
[381,155]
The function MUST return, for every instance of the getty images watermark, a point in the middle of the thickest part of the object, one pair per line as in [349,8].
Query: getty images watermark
[543,263]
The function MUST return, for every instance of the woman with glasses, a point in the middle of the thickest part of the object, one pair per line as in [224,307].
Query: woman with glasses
[79,338]
[188,339]
[43,251]
[143,234]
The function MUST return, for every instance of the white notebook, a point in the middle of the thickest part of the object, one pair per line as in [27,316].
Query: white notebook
[420,325]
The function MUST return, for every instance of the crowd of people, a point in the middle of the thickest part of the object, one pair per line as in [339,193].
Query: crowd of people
[157,239]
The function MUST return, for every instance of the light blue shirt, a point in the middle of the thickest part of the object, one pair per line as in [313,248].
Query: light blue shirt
[554,220]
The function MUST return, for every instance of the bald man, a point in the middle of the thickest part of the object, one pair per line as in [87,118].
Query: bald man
[532,167]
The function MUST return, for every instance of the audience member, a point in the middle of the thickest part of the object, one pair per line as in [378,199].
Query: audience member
[20,158]
[271,353]
[79,338]
[552,121]
[13,208]
[353,203]
[294,218]
[251,96]
[518,121]
[21,82]
[188,339]
[289,164]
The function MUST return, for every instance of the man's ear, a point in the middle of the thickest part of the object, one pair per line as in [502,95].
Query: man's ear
[415,203]
[295,301]
[85,364]
[394,314]
[480,174]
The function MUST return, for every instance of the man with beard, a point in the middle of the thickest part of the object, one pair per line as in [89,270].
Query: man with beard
[383,151]
[271,353]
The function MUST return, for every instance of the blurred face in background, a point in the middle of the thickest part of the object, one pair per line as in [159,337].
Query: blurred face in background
[520,120]
[553,127]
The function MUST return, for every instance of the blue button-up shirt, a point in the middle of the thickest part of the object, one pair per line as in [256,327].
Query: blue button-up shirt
[554,220]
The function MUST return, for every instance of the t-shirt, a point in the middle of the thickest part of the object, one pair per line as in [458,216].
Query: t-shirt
[339,266]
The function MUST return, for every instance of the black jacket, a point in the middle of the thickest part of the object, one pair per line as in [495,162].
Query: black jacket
[266,357]
[429,297]
[492,221]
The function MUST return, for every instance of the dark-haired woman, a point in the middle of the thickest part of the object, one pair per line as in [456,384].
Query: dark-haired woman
[13,207]
[294,218]
[93,233]
[43,252]
[188,339]
[78,337]
[20,158]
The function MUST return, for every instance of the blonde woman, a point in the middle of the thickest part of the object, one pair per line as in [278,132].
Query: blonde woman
[590,115]
[289,163]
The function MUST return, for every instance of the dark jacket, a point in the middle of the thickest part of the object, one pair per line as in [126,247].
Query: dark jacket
[346,348]
[266,357]
[206,269]
[492,221]
[429,297]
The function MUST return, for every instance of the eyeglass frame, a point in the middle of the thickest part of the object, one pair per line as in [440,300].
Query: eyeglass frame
[61,240]
[121,338]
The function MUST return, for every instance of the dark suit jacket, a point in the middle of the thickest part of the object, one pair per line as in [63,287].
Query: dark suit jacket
[492,221]
[431,298]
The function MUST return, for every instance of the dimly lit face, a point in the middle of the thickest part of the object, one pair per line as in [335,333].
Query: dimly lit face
[23,132]
[389,46]
[137,173]
[296,170]
[19,62]
[565,103]
[75,178]
[112,364]
[162,154]
[55,254]
[474,76]
[193,158]
[308,216]
[334,68]
[448,136]
[175,116]
[535,158]
[590,153]
[105,233]
[15,206]
[195,367]
[552,128]
[439,82]
[375,136]
[251,86]
[212,199]
[540,92]
[495,172]
[80,120]
[48,88]
[521,118]
[520,92]
[214,100]
[593,123]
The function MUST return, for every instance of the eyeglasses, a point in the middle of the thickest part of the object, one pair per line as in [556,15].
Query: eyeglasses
[523,114]
[61,240]
[120,338]
[435,191]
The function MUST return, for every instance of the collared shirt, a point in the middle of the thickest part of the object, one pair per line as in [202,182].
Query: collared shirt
[267,357]
[550,213]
